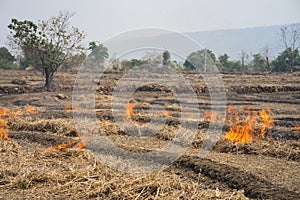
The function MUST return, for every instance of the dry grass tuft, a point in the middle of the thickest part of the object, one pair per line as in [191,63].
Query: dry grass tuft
[59,126]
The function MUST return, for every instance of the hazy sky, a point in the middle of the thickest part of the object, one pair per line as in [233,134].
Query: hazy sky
[101,19]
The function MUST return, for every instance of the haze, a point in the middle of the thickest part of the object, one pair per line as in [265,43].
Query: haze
[103,19]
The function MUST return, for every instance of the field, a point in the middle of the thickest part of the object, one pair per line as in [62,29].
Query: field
[36,165]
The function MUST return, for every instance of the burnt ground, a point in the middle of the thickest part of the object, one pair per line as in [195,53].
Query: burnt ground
[263,169]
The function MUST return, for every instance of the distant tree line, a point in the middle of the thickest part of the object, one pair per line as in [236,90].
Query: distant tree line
[55,44]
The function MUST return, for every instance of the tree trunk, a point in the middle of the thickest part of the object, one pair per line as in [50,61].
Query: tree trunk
[49,77]
[268,63]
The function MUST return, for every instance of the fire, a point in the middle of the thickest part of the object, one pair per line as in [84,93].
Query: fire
[3,130]
[297,127]
[4,115]
[211,117]
[5,111]
[81,144]
[267,121]
[69,108]
[31,109]
[242,129]
[230,109]
[129,111]
[69,144]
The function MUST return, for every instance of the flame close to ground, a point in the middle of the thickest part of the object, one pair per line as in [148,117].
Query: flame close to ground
[69,144]
[211,117]
[129,112]
[267,121]
[242,129]
[66,145]
[4,115]
[297,127]
[31,110]
[69,108]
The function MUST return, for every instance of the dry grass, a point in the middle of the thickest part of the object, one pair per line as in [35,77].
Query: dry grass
[289,150]
[30,172]
[30,123]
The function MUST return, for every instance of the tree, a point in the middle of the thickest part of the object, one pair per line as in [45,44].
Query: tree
[74,66]
[133,63]
[244,57]
[6,59]
[290,37]
[283,61]
[166,57]
[258,63]
[48,44]
[228,66]
[266,55]
[223,61]
[98,53]
[204,60]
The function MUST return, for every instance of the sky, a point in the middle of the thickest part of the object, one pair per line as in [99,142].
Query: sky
[102,19]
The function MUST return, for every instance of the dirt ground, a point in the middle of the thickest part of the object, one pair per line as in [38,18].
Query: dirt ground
[268,168]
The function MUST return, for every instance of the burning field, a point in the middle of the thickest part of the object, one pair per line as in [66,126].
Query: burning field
[256,157]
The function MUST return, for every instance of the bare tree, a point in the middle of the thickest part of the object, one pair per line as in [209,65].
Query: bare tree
[243,56]
[290,37]
[266,55]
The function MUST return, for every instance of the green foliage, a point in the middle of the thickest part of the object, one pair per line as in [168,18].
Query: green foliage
[204,60]
[226,65]
[223,59]
[287,61]
[258,63]
[166,57]
[6,55]
[6,59]
[79,58]
[98,53]
[47,45]
[133,64]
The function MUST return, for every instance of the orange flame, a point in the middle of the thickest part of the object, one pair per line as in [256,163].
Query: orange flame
[31,109]
[81,144]
[244,130]
[69,108]
[69,144]
[241,131]
[62,146]
[4,115]
[297,127]
[211,117]
[267,121]
[5,111]
[230,109]
[3,130]
[129,112]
